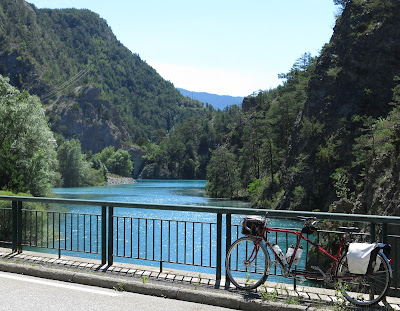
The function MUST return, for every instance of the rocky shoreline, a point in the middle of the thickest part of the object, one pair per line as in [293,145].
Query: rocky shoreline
[120,180]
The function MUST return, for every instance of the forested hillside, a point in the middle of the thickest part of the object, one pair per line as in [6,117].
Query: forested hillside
[93,87]
[353,96]
[328,138]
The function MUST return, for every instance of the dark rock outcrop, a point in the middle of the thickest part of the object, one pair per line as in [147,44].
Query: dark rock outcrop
[89,119]
[154,171]
[355,75]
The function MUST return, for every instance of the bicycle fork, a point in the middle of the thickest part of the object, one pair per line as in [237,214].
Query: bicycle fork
[253,255]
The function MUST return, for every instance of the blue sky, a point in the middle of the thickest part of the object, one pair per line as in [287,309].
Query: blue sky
[226,47]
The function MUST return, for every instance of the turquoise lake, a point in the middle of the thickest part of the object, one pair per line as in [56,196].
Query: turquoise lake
[176,192]
[180,192]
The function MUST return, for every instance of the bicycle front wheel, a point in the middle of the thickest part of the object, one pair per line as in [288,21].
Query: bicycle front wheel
[247,263]
[364,290]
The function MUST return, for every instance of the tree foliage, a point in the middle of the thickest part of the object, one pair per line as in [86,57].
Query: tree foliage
[256,136]
[74,168]
[27,146]
[222,174]
[115,162]
[185,152]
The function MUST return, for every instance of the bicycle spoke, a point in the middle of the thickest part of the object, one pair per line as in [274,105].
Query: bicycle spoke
[367,289]
[247,263]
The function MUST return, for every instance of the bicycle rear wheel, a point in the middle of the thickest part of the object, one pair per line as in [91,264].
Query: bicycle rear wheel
[364,290]
[247,263]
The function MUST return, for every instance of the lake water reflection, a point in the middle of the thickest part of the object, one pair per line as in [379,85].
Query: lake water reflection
[175,192]
[181,192]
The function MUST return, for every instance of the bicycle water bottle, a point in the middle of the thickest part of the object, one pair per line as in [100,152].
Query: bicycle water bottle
[297,258]
[278,251]
[289,253]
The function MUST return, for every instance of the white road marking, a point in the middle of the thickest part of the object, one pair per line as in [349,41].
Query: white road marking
[57,284]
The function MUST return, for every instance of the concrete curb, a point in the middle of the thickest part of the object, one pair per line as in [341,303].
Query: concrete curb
[226,299]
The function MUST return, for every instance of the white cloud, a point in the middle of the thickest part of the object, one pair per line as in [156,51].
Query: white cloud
[216,80]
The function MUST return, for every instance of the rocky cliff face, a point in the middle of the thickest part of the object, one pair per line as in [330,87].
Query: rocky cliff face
[355,75]
[89,119]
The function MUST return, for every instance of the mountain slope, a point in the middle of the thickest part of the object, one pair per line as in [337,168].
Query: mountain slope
[354,79]
[328,138]
[43,50]
[217,101]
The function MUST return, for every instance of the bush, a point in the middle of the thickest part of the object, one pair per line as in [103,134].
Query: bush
[6,213]
[115,162]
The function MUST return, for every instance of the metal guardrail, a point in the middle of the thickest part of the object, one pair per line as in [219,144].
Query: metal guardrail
[192,243]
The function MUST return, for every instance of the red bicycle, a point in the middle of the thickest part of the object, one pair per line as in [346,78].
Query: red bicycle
[248,262]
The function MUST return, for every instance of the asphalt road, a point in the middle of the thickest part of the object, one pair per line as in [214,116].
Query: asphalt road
[21,292]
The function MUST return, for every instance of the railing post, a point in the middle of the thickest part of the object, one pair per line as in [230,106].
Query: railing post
[219,251]
[14,232]
[384,233]
[19,225]
[110,235]
[373,232]
[16,226]
[103,235]
[228,242]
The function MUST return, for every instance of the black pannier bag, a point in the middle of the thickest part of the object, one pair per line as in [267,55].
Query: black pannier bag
[373,265]
[253,225]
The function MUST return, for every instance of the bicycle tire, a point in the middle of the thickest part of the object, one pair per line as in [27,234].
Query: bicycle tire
[247,275]
[363,290]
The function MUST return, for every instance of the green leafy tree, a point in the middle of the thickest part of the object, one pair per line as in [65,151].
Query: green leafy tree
[186,151]
[311,128]
[115,162]
[328,153]
[120,163]
[341,181]
[105,154]
[298,196]
[27,146]
[222,174]
[74,168]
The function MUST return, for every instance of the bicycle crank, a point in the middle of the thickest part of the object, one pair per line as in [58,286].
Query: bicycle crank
[327,276]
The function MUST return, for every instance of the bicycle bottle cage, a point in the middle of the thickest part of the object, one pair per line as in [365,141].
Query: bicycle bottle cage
[253,225]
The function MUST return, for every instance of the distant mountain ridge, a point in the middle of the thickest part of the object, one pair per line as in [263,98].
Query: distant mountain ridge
[217,101]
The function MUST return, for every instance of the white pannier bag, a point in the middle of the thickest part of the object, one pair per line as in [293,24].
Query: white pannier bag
[358,257]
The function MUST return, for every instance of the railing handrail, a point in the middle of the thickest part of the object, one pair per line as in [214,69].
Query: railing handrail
[213,209]
[107,218]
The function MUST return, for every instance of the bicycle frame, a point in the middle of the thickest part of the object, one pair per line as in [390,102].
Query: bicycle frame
[243,271]
[300,236]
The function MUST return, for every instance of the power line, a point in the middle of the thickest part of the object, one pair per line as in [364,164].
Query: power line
[65,85]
